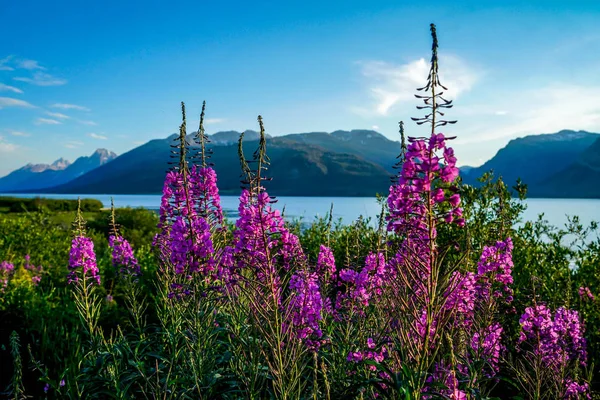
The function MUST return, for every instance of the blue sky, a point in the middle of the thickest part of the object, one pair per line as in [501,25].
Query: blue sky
[75,76]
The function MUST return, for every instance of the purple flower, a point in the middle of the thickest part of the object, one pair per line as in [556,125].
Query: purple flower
[461,294]
[306,305]
[6,271]
[122,256]
[576,391]
[495,267]
[46,387]
[487,345]
[82,260]
[262,243]
[556,339]
[325,263]
[585,294]
[445,376]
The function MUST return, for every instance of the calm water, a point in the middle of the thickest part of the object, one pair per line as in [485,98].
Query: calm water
[349,208]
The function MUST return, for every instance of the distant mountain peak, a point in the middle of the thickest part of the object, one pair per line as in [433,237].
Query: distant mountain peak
[103,155]
[60,164]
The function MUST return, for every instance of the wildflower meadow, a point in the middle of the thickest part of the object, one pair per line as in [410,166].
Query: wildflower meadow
[448,295]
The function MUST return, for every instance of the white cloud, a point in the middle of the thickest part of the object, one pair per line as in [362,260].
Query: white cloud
[90,123]
[73,144]
[375,127]
[4,64]
[6,147]
[47,121]
[390,84]
[500,112]
[19,133]
[212,121]
[7,88]
[10,102]
[65,106]
[29,64]
[541,110]
[42,79]
[96,136]
[57,115]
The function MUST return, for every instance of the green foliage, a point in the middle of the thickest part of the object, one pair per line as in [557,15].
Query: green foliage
[15,204]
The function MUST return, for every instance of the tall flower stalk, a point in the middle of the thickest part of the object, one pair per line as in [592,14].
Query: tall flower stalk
[84,275]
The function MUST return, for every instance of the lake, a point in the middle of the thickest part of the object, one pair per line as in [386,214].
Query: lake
[349,208]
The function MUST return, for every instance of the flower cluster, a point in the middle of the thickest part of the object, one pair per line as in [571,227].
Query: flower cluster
[6,270]
[122,256]
[446,378]
[361,287]
[576,391]
[370,353]
[495,268]
[461,294]
[585,294]
[205,193]
[36,271]
[306,306]
[420,190]
[325,263]
[556,339]
[262,240]
[82,260]
[487,346]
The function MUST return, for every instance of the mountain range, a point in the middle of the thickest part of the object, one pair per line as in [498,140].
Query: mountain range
[340,163]
[43,176]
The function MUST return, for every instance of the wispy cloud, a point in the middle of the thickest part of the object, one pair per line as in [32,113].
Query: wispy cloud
[73,144]
[89,123]
[212,121]
[4,64]
[10,63]
[47,121]
[57,115]
[29,64]
[97,136]
[19,133]
[66,106]
[389,84]
[10,102]
[6,147]
[542,110]
[7,88]
[42,79]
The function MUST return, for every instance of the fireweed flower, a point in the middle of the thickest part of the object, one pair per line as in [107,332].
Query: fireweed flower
[36,271]
[262,243]
[585,294]
[306,305]
[82,260]
[362,286]
[557,340]
[487,345]
[6,270]
[415,192]
[495,268]
[122,256]
[191,246]
[205,193]
[576,391]
[461,295]
[325,263]
[446,377]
